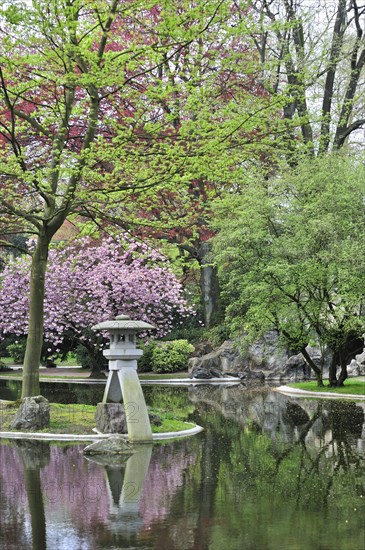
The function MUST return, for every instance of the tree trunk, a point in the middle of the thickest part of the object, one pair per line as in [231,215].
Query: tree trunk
[332,373]
[30,385]
[209,286]
[351,346]
[317,371]
[97,365]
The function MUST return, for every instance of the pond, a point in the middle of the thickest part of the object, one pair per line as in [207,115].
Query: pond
[268,472]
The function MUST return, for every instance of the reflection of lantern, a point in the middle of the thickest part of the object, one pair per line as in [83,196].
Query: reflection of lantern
[123,382]
[125,482]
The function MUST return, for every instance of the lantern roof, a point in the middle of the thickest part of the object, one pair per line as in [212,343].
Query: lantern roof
[122,322]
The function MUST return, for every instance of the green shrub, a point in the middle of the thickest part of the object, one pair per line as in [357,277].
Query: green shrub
[17,351]
[5,342]
[145,362]
[218,334]
[171,356]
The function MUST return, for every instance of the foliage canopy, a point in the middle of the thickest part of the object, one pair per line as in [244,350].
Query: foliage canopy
[291,252]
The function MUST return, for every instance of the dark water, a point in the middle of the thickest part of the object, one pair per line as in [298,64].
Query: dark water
[56,392]
[268,473]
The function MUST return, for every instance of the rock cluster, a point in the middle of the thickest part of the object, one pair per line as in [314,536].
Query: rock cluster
[357,365]
[264,360]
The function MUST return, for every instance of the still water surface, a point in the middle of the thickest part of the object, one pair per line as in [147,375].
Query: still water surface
[269,472]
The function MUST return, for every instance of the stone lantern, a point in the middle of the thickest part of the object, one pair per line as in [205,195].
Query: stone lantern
[123,382]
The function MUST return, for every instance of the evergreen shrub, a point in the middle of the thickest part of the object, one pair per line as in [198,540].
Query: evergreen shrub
[171,356]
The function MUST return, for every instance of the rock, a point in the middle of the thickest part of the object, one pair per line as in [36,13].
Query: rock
[360,359]
[250,375]
[357,365]
[295,369]
[154,419]
[205,372]
[267,358]
[111,461]
[225,358]
[111,418]
[267,353]
[114,445]
[264,355]
[203,348]
[356,368]
[33,414]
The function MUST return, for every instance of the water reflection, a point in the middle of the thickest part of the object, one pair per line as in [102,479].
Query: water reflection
[57,392]
[34,456]
[125,485]
[268,472]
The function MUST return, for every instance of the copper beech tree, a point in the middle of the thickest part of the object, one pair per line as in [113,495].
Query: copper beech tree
[219,116]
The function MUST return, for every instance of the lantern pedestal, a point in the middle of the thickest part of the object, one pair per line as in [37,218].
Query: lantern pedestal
[123,382]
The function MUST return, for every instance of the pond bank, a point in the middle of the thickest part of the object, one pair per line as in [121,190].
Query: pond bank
[296,392]
[96,436]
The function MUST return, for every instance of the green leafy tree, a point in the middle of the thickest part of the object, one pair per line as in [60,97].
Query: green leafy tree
[291,255]
[80,128]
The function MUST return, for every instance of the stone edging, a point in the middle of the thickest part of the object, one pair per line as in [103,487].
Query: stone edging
[160,382]
[94,437]
[296,392]
[189,381]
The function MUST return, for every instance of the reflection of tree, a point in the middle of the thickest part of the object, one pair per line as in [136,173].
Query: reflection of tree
[260,453]
[295,461]
[315,439]
[10,389]
[170,399]
[320,461]
[68,393]
[35,455]
[13,516]
[343,422]
[264,466]
[57,392]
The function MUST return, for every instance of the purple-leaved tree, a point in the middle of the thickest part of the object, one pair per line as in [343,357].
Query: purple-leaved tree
[88,282]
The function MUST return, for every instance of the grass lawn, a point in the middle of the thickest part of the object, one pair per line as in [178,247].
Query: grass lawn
[75,373]
[70,361]
[354,387]
[79,419]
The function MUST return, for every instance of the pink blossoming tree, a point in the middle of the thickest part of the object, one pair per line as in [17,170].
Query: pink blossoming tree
[89,282]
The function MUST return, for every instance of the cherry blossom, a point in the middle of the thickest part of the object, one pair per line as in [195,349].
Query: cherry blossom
[88,282]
